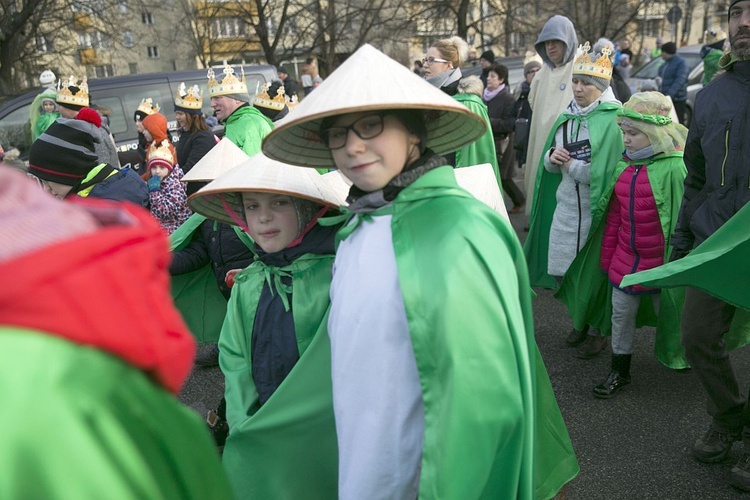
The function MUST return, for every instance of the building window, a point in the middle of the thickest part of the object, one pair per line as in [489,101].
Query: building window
[96,39]
[133,67]
[128,40]
[153,51]
[228,27]
[104,71]
[45,44]
[147,18]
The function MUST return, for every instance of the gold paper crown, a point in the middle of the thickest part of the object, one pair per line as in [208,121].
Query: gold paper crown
[191,98]
[147,107]
[160,151]
[601,68]
[264,100]
[291,102]
[66,96]
[229,84]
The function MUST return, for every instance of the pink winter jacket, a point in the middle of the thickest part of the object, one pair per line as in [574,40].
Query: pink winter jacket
[633,239]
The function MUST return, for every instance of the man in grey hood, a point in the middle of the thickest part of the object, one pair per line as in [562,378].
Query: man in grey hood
[551,91]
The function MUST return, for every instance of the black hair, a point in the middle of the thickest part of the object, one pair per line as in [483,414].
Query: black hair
[501,71]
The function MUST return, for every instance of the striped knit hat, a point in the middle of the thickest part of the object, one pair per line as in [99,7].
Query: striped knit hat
[65,153]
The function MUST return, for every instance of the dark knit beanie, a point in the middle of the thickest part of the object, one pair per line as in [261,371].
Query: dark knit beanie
[669,48]
[530,66]
[65,153]
[488,56]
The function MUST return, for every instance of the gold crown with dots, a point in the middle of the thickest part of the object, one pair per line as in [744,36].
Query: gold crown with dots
[160,151]
[263,99]
[600,68]
[229,84]
[65,94]
[189,98]
[147,107]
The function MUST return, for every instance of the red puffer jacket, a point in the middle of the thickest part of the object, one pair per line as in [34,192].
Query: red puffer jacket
[633,239]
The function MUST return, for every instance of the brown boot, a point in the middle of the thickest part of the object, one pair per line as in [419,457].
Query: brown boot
[593,345]
[577,337]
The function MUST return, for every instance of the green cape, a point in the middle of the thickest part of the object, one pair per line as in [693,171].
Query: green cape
[246,128]
[287,448]
[492,425]
[80,423]
[606,148]
[196,294]
[586,290]
[717,266]
[483,149]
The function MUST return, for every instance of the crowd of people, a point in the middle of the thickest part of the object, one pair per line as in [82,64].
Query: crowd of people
[373,319]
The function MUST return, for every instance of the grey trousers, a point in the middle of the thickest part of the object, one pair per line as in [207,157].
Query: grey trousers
[705,319]
[624,312]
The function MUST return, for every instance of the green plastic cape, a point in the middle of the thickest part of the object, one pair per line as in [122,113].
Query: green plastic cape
[717,266]
[483,149]
[246,128]
[80,423]
[287,448]
[39,120]
[607,148]
[195,294]
[492,425]
[586,290]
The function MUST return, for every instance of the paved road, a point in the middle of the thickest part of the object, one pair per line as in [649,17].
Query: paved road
[634,446]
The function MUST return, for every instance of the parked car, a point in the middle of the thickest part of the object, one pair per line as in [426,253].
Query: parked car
[647,76]
[121,95]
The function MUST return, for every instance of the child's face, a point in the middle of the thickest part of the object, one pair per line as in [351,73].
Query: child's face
[48,106]
[634,139]
[271,220]
[160,171]
[371,163]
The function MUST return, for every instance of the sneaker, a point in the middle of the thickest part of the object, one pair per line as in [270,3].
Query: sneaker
[576,337]
[714,446]
[740,477]
[208,358]
[609,388]
[593,345]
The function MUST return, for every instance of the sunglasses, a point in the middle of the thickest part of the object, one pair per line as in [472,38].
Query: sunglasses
[431,60]
[367,127]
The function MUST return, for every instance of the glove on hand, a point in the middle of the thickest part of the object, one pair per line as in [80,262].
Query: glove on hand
[154,183]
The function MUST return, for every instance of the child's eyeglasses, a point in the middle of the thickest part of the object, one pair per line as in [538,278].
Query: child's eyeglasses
[367,127]
[430,60]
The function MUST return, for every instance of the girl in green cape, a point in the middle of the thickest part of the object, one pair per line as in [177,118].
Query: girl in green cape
[273,346]
[438,387]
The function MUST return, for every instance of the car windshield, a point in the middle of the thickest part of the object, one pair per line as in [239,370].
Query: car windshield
[651,69]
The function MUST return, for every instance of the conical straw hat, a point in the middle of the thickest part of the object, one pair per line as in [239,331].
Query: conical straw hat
[369,81]
[222,158]
[480,181]
[220,200]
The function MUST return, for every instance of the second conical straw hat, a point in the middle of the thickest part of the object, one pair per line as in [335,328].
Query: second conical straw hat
[222,158]
[370,81]
[220,199]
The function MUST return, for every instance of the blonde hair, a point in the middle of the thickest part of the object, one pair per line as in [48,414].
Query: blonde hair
[471,85]
[453,49]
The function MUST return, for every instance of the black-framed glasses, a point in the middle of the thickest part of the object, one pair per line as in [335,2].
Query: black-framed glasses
[367,127]
[430,60]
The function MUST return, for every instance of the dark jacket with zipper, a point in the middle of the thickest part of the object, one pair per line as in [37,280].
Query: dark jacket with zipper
[717,157]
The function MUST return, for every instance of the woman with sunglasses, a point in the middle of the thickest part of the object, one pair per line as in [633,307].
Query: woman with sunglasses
[441,65]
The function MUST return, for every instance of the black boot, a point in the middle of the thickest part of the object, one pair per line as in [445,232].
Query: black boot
[618,378]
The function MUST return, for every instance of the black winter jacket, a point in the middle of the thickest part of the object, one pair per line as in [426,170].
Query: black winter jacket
[717,157]
[190,149]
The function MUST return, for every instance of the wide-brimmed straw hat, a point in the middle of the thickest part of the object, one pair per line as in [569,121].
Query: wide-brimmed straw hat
[222,158]
[221,199]
[369,81]
[480,181]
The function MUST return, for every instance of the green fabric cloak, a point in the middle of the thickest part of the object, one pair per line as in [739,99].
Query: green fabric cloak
[483,149]
[85,424]
[195,294]
[287,448]
[586,290]
[717,266]
[492,425]
[246,128]
[606,151]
